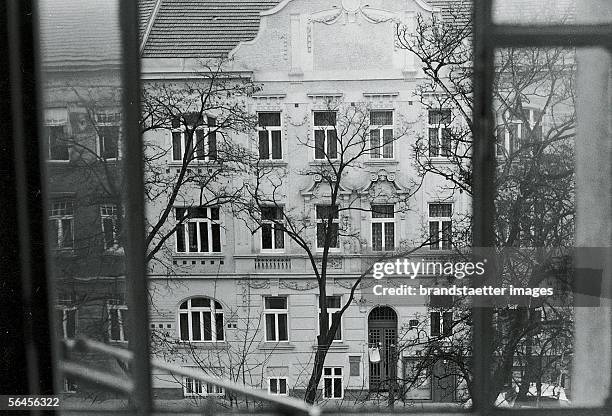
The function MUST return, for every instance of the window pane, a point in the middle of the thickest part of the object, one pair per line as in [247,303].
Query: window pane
[332,144]
[383,211]
[219,326]
[381,118]
[204,236]
[282,386]
[200,303]
[319,144]
[337,387]
[180,238]
[266,236]
[273,385]
[276,303]
[333,301]
[193,237]
[433,142]
[434,324]
[109,141]
[115,333]
[184,322]
[196,329]
[212,145]
[377,237]
[282,327]
[327,387]
[269,119]
[375,143]
[177,151]
[216,237]
[389,236]
[270,327]
[434,234]
[325,118]
[200,138]
[207,319]
[264,150]
[277,152]
[279,238]
[387,143]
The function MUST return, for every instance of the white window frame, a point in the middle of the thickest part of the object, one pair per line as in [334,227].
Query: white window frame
[121,310]
[508,146]
[269,130]
[213,309]
[442,327]
[441,128]
[274,228]
[323,221]
[276,313]
[377,152]
[103,119]
[278,383]
[59,214]
[184,229]
[440,220]
[65,309]
[330,312]
[333,377]
[326,130]
[109,212]
[69,386]
[383,221]
[62,122]
[191,387]
[211,130]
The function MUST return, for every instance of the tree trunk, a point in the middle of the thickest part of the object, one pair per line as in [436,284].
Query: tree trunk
[317,372]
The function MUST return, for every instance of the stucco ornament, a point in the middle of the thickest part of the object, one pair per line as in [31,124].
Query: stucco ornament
[351,6]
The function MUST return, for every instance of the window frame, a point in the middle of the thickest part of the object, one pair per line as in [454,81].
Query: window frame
[211,130]
[269,130]
[64,124]
[326,143]
[121,308]
[190,382]
[383,221]
[322,221]
[212,309]
[65,309]
[113,217]
[513,144]
[274,229]
[440,243]
[184,229]
[59,221]
[330,312]
[104,124]
[278,379]
[333,377]
[377,152]
[276,313]
[440,128]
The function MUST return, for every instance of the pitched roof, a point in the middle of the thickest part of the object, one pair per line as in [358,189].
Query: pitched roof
[80,34]
[202,28]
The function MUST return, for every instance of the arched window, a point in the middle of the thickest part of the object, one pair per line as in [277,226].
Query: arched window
[201,320]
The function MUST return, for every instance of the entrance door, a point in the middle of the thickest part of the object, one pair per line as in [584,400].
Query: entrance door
[382,334]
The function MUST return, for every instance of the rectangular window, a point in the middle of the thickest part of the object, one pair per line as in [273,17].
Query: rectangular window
[325,213]
[325,135]
[440,226]
[200,231]
[334,304]
[272,234]
[67,321]
[276,314]
[383,228]
[194,388]
[117,319]
[278,386]
[61,224]
[354,365]
[110,230]
[56,132]
[199,144]
[333,387]
[69,385]
[381,134]
[439,132]
[108,126]
[517,129]
[270,133]
[441,323]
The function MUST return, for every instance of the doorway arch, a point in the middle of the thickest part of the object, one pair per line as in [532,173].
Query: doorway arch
[382,334]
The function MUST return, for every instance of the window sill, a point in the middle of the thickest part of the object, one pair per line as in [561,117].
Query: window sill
[381,161]
[205,345]
[440,160]
[335,346]
[194,256]
[194,164]
[275,163]
[62,162]
[276,346]
[323,162]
